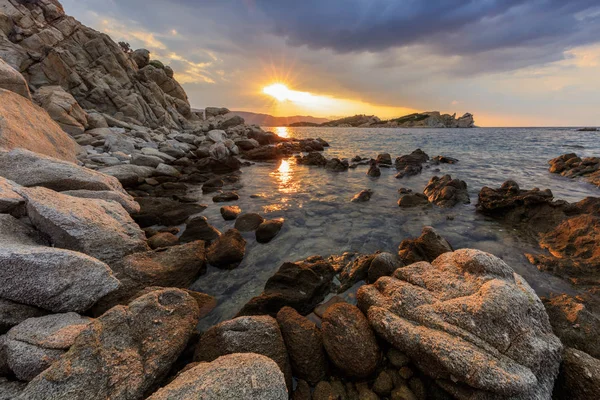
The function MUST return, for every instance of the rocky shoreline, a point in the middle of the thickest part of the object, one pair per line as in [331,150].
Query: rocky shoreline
[100,241]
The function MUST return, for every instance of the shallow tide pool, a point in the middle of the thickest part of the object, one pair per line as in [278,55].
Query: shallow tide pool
[321,220]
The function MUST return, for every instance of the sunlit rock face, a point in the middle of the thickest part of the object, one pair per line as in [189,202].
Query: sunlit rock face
[50,48]
[471,323]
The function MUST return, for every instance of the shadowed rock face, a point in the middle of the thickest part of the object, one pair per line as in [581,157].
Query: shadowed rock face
[124,353]
[470,322]
[579,377]
[231,377]
[51,48]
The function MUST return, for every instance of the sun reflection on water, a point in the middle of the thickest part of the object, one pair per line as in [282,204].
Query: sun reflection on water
[284,177]
[282,131]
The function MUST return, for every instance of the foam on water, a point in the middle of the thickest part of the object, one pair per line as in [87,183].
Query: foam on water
[321,220]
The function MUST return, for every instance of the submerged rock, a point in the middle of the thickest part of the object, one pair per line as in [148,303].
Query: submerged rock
[227,252]
[363,196]
[350,341]
[268,230]
[225,197]
[198,228]
[337,165]
[230,377]
[312,158]
[300,285]
[470,322]
[124,353]
[248,222]
[374,171]
[447,192]
[409,200]
[254,334]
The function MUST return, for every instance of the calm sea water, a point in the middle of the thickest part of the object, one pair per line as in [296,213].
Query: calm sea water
[321,220]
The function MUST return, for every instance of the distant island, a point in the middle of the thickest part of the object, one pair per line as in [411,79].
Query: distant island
[269,120]
[429,119]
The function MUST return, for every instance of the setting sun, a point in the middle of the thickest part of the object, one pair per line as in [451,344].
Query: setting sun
[277,90]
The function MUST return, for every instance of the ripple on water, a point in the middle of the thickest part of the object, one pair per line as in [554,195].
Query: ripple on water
[321,220]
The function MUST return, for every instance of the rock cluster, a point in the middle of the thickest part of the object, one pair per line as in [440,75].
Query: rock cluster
[411,164]
[572,166]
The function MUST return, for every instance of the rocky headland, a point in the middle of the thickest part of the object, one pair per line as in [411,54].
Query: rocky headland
[101,240]
[428,119]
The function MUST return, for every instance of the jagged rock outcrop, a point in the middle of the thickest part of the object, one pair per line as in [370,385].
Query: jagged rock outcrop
[468,321]
[62,108]
[51,48]
[572,166]
[447,192]
[25,125]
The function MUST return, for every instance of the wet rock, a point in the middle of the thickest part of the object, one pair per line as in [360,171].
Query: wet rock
[62,280]
[467,311]
[383,264]
[575,321]
[323,391]
[572,166]
[12,314]
[363,196]
[411,164]
[304,345]
[384,158]
[128,203]
[128,174]
[413,200]
[254,334]
[349,340]
[337,165]
[230,213]
[164,211]
[374,171]
[300,285]
[227,252]
[383,384]
[225,197]
[36,343]
[198,228]
[248,222]
[403,393]
[427,247]
[31,169]
[163,239]
[574,247]
[99,228]
[268,230]
[263,153]
[124,353]
[27,126]
[534,208]
[444,160]
[354,270]
[447,192]
[397,358]
[579,377]
[212,185]
[312,158]
[231,377]
[247,144]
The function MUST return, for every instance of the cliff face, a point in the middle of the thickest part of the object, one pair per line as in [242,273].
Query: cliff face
[51,48]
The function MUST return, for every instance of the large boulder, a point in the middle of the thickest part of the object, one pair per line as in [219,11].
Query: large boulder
[12,80]
[304,344]
[124,199]
[349,340]
[36,343]
[62,108]
[25,125]
[99,228]
[227,251]
[254,334]
[231,377]
[124,353]
[31,169]
[470,322]
[141,57]
[300,285]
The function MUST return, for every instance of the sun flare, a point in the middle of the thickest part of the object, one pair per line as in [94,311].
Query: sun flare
[277,90]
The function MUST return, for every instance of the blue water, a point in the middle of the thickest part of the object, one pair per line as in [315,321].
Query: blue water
[320,219]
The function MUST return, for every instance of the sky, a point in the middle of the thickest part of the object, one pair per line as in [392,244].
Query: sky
[508,62]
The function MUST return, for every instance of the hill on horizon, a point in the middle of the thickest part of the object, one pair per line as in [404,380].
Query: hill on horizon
[269,120]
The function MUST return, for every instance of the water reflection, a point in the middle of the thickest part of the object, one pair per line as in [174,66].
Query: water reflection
[282,131]
[283,176]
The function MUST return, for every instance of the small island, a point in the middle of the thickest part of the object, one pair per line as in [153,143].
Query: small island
[428,119]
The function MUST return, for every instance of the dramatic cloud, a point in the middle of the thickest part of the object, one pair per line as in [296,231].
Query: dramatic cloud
[440,54]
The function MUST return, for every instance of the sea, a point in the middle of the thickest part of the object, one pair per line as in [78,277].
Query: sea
[321,220]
